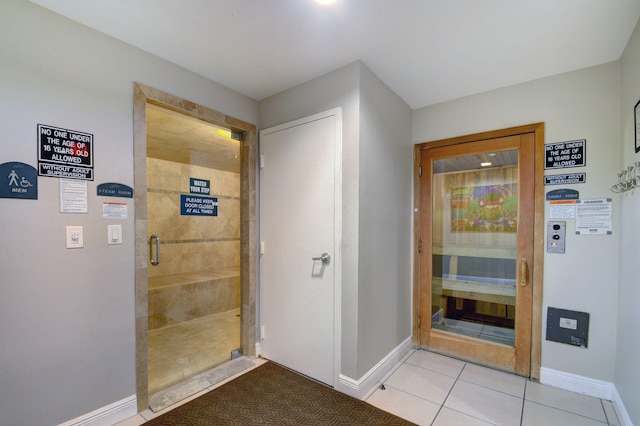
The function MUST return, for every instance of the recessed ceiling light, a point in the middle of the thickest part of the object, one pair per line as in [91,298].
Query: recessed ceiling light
[485,163]
[325,2]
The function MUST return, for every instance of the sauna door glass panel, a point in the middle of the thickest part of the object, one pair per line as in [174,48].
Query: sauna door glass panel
[474,245]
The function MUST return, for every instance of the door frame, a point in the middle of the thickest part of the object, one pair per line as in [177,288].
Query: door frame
[537,129]
[144,95]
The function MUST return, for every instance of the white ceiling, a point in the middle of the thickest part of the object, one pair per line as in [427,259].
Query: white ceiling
[427,51]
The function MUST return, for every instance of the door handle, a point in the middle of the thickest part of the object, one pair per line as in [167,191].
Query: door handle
[524,271]
[155,261]
[325,258]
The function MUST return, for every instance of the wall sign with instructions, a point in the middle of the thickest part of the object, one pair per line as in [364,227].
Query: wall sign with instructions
[65,153]
[565,179]
[565,154]
[199,186]
[193,205]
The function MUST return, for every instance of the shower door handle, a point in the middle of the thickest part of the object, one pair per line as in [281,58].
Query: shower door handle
[155,261]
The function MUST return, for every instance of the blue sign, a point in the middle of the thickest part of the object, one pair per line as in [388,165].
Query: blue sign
[115,190]
[563,194]
[18,180]
[193,205]
[199,186]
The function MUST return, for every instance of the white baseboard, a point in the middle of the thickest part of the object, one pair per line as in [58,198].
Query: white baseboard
[359,388]
[623,415]
[108,415]
[586,386]
[576,383]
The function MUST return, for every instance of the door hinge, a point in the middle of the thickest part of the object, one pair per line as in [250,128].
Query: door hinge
[418,321]
[419,246]
[420,171]
[237,135]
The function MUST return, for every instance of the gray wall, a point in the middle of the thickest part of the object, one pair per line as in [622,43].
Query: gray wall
[384,266]
[376,169]
[578,105]
[67,316]
[627,374]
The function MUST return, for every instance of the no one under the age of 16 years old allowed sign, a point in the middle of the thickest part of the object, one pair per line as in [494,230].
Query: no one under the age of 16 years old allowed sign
[64,153]
[565,154]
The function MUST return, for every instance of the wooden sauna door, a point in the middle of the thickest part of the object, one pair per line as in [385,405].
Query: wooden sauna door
[476,250]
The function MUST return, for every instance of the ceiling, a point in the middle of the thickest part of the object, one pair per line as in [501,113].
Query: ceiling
[427,51]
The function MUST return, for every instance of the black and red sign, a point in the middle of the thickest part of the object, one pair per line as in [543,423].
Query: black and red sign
[65,153]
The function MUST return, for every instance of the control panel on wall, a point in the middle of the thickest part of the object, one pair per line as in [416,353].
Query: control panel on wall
[556,233]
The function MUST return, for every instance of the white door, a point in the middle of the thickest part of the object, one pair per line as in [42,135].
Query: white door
[300,193]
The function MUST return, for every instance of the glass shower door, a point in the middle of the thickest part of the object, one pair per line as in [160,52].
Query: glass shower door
[193,203]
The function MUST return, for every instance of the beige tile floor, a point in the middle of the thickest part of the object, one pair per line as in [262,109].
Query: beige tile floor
[179,351]
[430,389]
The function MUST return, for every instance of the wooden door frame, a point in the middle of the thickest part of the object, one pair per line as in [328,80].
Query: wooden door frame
[537,129]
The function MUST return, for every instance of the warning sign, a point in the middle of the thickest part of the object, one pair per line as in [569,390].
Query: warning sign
[199,186]
[565,154]
[565,179]
[64,153]
[193,205]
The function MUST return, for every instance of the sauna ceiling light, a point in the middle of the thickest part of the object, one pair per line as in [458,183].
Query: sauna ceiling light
[488,163]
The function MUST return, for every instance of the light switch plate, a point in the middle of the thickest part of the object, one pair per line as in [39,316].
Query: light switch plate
[75,237]
[114,234]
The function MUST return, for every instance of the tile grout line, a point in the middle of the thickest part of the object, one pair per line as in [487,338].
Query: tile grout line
[605,412]
[524,399]
[449,393]
[570,412]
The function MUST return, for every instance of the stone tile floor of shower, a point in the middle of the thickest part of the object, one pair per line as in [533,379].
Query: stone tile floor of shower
[430,389]
[182,350]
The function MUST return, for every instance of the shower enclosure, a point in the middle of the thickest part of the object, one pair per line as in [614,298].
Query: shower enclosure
[193,205]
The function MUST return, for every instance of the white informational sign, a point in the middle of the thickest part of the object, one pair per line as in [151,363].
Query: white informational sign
[111,210]
[562,209]
[74,196]
[594,217]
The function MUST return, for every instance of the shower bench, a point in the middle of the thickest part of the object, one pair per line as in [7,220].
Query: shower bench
[186,296]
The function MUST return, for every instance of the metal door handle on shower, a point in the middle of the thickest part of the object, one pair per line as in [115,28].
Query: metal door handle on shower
[155,261]
[325,258]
